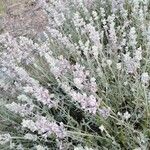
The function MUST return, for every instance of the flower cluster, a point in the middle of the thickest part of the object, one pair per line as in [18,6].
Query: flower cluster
[44,127]
[84,85]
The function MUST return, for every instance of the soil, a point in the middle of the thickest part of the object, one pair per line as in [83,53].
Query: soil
[23,17]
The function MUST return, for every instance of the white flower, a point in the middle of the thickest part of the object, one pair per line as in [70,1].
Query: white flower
[102,128]
[93,34]
[145,78]
[138,54]
[95,51]
[109,62]
[77,20]
[112,32]
[125,83]
[95,15]
[39,147]
[132,38]
[78,82]
[29,124]
[126,115]
[131,64]
[23,98]
[59,18]
[93,85]
[30,137]
[119,66]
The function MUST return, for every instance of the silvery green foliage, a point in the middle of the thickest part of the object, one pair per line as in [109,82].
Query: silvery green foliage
[85,86]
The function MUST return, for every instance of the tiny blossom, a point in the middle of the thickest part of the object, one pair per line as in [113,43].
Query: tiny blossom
[89,3]
[21,50]
[59,18]
[112,32]
[44,48]
[81,80]
[92,104]
[126,115]
[132,38]
[119,114]
[109,62]
[89,104]
[42,3]
[24,98]
[95,15]
[117,5]
[131,64]
[41,95]
[60,38]
[29,136]
[79,75]
[138,54]
[29,124]
[44,127]
[22,109]
[102,128]
[119,66]
[77,20]
[86,48]
[125,83]
[141,19]
[145,78]
[93,85]
[33,87]
[60,67]
[136,7]
[95,51]
[93,34]
[78,82]
[104,112]
[102,10]
[65,86]
[40,147]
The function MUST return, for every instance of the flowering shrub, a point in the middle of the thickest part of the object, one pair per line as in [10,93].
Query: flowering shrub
[85,86]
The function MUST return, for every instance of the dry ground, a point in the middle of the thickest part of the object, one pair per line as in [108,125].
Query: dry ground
[22,17]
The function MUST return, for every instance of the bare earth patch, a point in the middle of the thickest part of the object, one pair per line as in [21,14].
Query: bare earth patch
[24,18]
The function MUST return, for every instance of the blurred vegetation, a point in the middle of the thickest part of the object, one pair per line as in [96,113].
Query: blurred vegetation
[2,8]
[6,3]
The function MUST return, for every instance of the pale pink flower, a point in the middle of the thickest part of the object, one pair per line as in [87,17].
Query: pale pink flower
[22,109]
[89,104]
[104,112]
[45,127]
[93,34]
